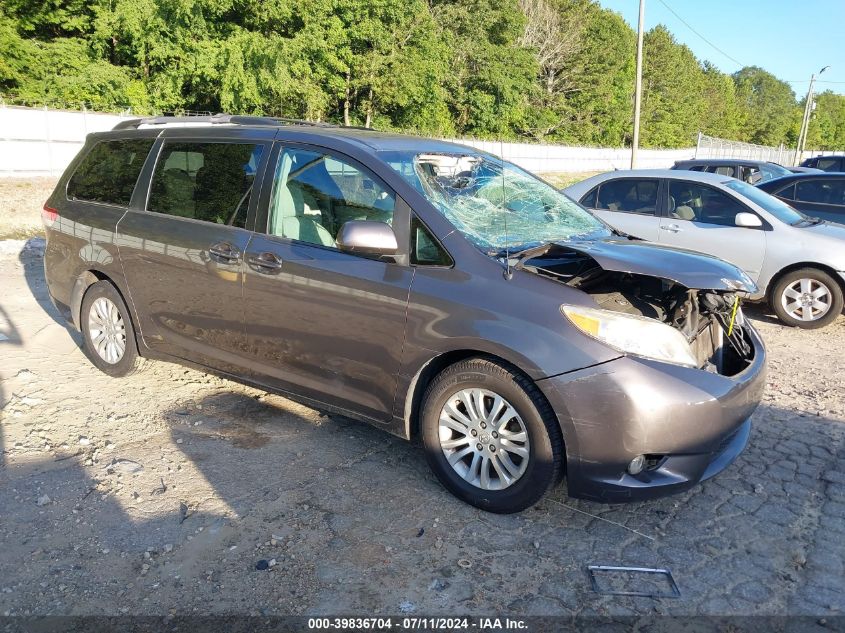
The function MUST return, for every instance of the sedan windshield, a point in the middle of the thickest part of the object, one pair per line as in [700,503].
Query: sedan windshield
[495,204]
[773,170]
[776,207]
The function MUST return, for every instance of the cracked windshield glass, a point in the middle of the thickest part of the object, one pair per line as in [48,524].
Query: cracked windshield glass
[495,204]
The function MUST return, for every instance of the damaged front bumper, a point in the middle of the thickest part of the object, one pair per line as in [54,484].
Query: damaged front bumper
[688,423]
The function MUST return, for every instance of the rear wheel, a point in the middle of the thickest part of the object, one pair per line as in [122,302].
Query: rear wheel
[107,332]
[490,436]
[807,298]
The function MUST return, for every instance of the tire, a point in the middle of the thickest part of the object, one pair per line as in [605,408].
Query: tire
[799,286]
[478,380]
[106,324]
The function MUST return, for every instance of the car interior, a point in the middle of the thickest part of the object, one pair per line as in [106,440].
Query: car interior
[315,194]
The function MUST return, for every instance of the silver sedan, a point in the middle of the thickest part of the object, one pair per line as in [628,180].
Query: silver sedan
[797,262]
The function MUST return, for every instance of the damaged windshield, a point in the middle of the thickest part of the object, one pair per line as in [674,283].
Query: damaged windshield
[495,204]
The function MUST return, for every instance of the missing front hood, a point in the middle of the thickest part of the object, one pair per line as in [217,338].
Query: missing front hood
[709,319]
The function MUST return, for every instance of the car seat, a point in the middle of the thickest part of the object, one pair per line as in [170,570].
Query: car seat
[682,212]
[288,217]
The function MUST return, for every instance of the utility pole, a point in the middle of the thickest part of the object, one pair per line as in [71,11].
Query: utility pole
[805,122]
[638,89]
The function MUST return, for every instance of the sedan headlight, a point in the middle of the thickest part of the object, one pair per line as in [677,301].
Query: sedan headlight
[632,334]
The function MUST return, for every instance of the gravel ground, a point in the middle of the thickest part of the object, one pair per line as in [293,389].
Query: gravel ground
[21,200]
[160,493]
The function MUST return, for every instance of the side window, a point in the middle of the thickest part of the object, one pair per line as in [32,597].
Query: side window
[821,191]
[205,181]
[629,195]
[787,192]
[700,203]
[425,250]
[589,200]
[109,171]
[315,193]
[723,170]
[828,164]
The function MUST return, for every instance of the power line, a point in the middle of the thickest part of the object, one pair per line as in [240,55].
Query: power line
[687,24]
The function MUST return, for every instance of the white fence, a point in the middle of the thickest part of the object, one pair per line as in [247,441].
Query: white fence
[41,142]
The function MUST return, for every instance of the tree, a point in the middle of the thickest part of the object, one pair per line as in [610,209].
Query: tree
[673,84]
[769,105]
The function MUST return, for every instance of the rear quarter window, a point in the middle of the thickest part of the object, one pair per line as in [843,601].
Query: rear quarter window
[108,172]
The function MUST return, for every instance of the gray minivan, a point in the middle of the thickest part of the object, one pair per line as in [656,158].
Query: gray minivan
[428,288]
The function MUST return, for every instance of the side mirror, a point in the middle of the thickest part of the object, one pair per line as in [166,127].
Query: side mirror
[748,220]
[367,237]
[754,177]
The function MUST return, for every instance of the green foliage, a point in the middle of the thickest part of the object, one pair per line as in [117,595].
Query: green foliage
[769,105]
[545,70]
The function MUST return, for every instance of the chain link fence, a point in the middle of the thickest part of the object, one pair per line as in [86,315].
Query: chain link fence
[714,147]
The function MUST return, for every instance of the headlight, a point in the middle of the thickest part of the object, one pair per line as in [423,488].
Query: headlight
[632,334]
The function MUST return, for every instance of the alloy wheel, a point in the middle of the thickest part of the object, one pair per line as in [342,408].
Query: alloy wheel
[107,330]
[806,299]
[484,439]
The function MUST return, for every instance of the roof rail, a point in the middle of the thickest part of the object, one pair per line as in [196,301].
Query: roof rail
[221,119]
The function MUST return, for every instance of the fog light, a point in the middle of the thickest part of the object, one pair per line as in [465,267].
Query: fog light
[636,465]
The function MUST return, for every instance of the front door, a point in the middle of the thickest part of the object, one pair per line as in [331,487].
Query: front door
[702,218]
[628,204]
[322,323]
[183,255]
[822,198]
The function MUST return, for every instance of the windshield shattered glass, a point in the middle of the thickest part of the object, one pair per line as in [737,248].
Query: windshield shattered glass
[493,203]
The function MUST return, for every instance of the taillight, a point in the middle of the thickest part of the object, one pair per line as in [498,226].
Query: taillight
[49,214]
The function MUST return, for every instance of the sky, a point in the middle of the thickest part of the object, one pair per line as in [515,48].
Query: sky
[792,39]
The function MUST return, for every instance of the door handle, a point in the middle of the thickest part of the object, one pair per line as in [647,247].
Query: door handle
[267,261]
[672,228]
[224,252]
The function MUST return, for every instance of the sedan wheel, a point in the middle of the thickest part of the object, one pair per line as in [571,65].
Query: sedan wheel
[807,298]
[484,439]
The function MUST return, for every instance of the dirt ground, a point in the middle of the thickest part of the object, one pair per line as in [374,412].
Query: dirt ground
[21,200]
[161,493]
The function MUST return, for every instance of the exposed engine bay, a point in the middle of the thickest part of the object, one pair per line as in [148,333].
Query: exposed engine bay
[709,319]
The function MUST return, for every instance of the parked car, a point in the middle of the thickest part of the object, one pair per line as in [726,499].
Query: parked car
[797,262]
[820,195]
[751,171]
[825,163]
[425,287]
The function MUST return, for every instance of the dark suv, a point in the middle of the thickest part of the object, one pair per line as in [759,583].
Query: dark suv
[825,163]
[427,288]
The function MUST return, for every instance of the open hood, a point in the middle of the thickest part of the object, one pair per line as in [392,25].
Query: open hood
[693,270]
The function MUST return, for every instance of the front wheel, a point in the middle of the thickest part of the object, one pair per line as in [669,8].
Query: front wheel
[807,298]
[490,436]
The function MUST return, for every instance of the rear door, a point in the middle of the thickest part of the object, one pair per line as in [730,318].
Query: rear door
[821,198]
[183,253]
[322,323]
[703,218]
[628,204]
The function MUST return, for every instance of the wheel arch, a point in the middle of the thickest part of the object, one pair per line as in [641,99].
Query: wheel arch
[427,373]
[798,266]
[85,280]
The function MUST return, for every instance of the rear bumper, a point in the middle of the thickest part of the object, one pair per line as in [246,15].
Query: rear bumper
[694,422]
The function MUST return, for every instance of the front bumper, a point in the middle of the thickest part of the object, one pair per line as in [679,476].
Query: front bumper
[695,421]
